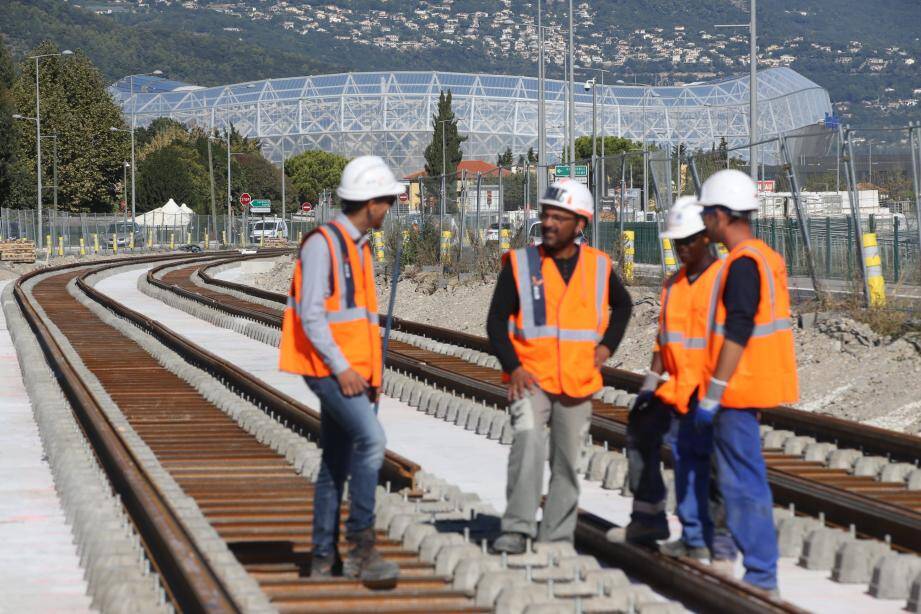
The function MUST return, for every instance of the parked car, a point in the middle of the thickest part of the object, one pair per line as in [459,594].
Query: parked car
[123,232]
[270,228]
[492,232]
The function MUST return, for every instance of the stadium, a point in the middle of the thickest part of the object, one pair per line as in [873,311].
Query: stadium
[390,113]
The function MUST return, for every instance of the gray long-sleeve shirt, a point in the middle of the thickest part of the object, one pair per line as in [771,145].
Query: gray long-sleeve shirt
[315,289]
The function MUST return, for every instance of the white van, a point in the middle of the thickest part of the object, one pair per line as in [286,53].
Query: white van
[270,228]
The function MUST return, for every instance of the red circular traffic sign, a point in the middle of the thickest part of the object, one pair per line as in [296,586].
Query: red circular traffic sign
[306,207]
[245,199]
[404,197]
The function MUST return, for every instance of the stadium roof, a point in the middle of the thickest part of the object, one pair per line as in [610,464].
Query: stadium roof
[390,113]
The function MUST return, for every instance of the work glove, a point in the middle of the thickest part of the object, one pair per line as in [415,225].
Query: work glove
[704,414]
[642,400]
[647,391]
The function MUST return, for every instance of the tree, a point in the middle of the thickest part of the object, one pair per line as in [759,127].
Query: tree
[8,167]
[506,159]
[263,180]
[173,172]
[613,145]
[532,156]
[444,124]
[76,107]
[312,172]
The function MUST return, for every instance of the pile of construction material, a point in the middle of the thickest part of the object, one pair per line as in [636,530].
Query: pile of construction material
[274,242]
[17,250]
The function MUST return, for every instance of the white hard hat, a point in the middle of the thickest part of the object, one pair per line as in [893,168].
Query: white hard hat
[731,189]
[570,195]
[683,219]
[368,177]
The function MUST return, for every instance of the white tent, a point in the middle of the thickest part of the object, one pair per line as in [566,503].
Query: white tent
[169,215]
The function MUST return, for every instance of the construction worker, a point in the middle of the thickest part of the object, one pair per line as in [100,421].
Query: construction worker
[751,367]
[330,336]
[551,327]
[660,410]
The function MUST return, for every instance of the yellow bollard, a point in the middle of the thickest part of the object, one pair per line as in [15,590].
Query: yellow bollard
[721,251]
[60,246]
[873,268]
[149,239]
[446,244]
[206,240]
[188,238]
[82,247]
[114,243]
[378,240]
[48,243]
[224,237]
[504,242]
[172,241]
[670,264]
[131,241]
[262,240]
[629,239]
[95,243]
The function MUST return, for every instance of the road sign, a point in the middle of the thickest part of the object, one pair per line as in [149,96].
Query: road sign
[260,206]
[245,199]
[306,207]
[562,170]
[404,197]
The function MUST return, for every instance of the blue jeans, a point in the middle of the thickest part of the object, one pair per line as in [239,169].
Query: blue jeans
[353,444]
[742,480]
[691,451]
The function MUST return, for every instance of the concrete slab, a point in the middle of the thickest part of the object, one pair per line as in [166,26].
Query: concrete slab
[39,567]
[471,461]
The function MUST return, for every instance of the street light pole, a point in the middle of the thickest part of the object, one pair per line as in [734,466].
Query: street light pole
[541,109]
[752,26]
[572,97]
[38,135]
[283,203]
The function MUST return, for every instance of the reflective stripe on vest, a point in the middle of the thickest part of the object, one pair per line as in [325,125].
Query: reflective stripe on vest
[760,330]
[533,304]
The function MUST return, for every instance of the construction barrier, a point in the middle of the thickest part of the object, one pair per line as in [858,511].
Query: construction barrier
[671,265]
[629,239]
[377,238]
[876,284]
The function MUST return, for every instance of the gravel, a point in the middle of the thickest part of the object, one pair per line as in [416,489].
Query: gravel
[845,369]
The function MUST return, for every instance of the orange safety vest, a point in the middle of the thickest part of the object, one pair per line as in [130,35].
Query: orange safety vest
[684,327]
[351,309]
[558,325]
[766,374]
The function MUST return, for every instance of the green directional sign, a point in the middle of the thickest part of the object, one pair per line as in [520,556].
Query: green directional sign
[562,170]
[260,206]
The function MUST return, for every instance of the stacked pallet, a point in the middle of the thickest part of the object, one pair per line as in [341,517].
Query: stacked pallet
[274,242]
[18,250]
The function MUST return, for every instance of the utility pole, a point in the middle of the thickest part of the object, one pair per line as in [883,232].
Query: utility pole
[572,97]
[283,203]
[541,109]
[752,26]
[211,178]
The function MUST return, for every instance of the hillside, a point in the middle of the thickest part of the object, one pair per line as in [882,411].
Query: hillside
[869,66]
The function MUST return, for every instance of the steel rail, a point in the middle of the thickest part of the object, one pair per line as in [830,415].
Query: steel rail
[688,581]
[189,580]
[874,517]
[896,446]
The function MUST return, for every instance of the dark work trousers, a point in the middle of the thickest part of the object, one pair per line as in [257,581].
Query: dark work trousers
[692,454]
[741,477]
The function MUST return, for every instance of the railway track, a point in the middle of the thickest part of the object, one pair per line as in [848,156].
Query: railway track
[881,510]
[246,490]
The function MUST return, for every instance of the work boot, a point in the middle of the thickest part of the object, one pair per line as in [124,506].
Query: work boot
[679,548]
[365,563]
[322,566]
[510,543]
[637,533]
[723,567]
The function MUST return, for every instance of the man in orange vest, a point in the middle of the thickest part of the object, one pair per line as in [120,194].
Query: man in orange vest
[661,407]
[330,336]
[551,326]
[751,367]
